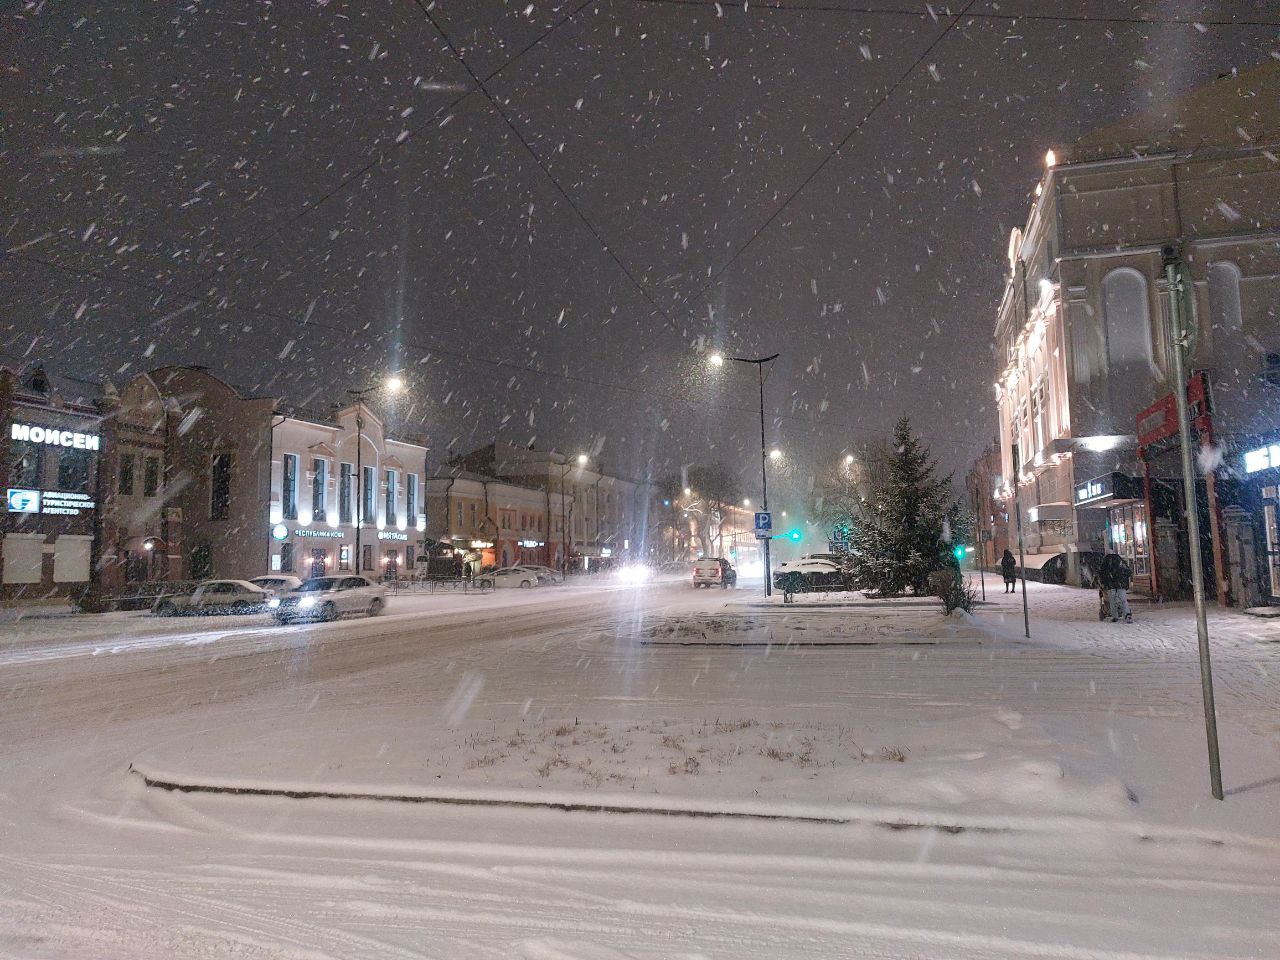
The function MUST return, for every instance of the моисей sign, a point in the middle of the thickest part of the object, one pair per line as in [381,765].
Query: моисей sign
[54,437]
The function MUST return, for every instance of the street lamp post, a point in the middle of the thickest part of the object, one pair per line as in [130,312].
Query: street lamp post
[393,384]
[764,454]
[564,520]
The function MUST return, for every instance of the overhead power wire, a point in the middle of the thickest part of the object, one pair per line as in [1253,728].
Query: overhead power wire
[483,87]
[801,7]
[828,157]
[281,224]
[429,348]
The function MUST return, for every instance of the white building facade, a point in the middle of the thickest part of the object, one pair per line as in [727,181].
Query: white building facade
[345,496]
[1085,386]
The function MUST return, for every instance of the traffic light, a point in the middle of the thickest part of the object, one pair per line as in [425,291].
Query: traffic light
[958,553]
[794,535]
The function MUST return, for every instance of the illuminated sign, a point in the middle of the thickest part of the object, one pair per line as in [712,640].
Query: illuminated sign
[1092,490]
[392,535]
[28,433]
[327,534]
[24,501]
[49,502]
[530,544]
[280,532]
[1264,458]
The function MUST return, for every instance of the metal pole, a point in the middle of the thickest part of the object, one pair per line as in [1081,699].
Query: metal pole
[764,482]
[1022,560]
[1177,344]
[981,552]
[359,493]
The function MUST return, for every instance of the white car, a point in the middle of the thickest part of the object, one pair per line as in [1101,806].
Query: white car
[278,583]
[328,598]
[544,573]
[214,596]
[511,577]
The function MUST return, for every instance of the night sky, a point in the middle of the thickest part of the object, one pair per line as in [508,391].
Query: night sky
[542,212]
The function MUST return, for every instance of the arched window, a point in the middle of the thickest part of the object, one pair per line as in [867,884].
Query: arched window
[1230,349]
[1224,298]
[1127,314]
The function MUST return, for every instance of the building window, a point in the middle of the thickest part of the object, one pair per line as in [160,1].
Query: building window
[124,484]
[319,480]
[291,486]
[286,557]
[27,467]
[1128,320]
[473,516]
[408,559]
[411,504]
[1038,415]
[366,558]
[344,557]
[220,466]
[151,476]
[74,467]
[346,474]
[390,505]
[369,480]
[459,516]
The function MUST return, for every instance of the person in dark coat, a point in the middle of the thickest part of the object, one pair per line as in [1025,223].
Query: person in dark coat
[1115,576]
[1009,568]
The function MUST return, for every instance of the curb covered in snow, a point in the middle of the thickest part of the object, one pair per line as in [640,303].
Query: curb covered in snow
[171,784]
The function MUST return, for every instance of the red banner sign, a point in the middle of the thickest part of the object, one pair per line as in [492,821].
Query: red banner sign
[1160,420]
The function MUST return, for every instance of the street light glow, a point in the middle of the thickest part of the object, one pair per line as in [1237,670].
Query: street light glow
[582,459]
[775,454]
[688,492]
[746,502]
[716,360]
[848,458]
[394,384]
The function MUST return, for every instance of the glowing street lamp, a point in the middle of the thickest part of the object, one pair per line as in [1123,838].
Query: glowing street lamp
[716,359]
[394,384]
[775,454]
[582,459]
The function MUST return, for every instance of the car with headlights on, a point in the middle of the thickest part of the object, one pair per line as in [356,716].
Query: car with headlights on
[328,598]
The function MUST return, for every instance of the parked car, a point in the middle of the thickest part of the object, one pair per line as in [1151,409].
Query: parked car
[214,596]
[813,572]
[278,583]
[714,572]
[510,577]
[328,598]
[545,574]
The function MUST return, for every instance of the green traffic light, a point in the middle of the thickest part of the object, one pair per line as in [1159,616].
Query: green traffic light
[794,535]
[958,552]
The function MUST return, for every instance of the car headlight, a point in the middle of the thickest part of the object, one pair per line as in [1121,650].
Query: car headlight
[273,602]
[306,602]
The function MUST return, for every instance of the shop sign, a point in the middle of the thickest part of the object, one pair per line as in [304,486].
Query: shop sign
[1111,486]
[60,503]
[325,534]
[1160,420]
[280,532]
[1264,458]
[29,433]
[392,535]
[1090,490]
[531,544]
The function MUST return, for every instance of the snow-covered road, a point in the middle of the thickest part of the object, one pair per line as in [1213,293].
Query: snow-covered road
[1068,774]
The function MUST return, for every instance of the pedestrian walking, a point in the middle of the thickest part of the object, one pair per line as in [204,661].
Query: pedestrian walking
[1115,577]
[1009,568]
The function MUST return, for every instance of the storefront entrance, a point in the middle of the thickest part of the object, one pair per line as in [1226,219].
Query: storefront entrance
[1271,527]
[319,562]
